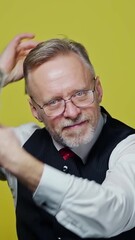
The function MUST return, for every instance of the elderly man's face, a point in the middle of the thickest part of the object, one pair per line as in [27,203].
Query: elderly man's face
[59,78]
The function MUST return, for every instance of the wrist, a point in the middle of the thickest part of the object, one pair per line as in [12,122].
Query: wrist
[3,78]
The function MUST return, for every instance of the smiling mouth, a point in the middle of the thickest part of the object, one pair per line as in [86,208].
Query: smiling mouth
[75,125]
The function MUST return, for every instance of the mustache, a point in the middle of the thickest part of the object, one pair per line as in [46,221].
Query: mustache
[71,122]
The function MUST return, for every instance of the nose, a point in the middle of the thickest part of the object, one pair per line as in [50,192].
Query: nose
[71,111]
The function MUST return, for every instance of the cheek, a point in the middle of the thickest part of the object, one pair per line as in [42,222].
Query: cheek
[96,114]
[51,124]
[93,114]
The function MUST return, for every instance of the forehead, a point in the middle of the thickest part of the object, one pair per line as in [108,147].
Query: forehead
[63,73]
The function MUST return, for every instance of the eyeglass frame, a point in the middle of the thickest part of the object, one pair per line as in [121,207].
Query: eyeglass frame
[65,101]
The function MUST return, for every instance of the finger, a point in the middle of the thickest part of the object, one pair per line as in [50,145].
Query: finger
[22,55]
[18,38]
[27,45]
[23,36]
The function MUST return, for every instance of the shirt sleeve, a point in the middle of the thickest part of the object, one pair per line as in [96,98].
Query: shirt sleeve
[90,209]
[24,131]
[2,174]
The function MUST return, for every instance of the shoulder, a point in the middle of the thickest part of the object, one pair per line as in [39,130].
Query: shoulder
[23,132]
[124,151]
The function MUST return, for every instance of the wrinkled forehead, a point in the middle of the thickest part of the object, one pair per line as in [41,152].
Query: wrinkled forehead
[63,72]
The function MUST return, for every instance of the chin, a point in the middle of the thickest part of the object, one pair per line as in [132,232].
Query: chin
[78,140]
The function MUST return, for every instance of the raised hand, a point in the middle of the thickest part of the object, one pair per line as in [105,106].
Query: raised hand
[12,58]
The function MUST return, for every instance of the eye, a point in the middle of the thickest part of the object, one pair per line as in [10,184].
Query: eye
[53,102]
[80,93]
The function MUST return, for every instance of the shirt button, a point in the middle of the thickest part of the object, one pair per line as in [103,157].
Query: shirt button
[65,169]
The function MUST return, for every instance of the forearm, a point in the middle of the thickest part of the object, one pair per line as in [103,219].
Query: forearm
[16,160]
[26,168]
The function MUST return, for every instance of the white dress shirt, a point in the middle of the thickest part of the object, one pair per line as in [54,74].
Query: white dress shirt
[85,207]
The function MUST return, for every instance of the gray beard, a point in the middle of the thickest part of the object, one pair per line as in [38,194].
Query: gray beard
[76,141]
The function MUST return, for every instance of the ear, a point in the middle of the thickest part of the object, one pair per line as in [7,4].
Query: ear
[34,111]
[98,89]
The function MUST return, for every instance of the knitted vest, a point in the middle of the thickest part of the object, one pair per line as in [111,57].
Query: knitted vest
[33,223]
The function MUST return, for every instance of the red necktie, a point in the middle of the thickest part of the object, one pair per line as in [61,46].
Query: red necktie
[66,153]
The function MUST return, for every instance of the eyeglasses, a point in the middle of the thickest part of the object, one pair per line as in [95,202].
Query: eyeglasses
[56,106]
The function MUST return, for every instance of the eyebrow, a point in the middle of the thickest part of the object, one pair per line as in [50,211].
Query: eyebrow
[59,97]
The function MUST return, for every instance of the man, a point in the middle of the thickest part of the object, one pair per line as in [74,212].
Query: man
[94,196]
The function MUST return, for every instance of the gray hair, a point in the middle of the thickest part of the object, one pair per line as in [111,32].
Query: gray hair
[52,48]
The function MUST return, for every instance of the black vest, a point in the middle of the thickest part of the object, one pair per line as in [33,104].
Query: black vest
[33,223]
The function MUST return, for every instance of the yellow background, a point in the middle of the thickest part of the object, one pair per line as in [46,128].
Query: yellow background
[105,27]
